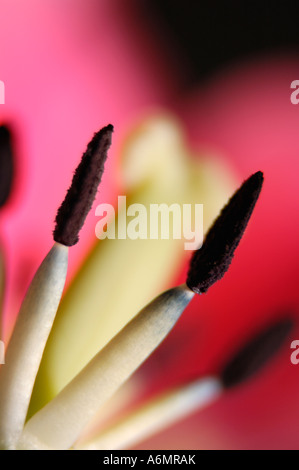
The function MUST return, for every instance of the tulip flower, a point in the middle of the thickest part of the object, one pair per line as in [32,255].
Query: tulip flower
[59,424]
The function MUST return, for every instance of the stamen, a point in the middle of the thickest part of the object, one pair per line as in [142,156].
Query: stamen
[41,302]
[81,194]
[210,263]
[256,353]
[6,164]
[59,424]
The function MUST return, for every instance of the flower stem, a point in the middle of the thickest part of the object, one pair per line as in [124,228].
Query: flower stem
[59,424]
[157,415]
[27,343]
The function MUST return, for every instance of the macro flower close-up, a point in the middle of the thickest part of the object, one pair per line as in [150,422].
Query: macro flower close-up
[148,244]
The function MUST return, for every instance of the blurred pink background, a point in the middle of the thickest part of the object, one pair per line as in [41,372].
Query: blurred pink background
[71,67]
